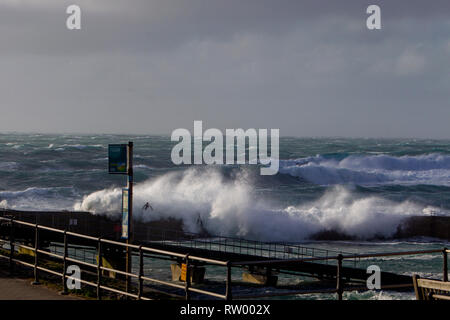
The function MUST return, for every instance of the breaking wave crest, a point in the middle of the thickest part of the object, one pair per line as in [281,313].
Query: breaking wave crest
[432,169]
[229,206]
[55,198]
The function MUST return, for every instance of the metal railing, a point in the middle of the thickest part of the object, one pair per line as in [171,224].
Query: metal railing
[271,250]
[188,260]
[141,277]
[340,288]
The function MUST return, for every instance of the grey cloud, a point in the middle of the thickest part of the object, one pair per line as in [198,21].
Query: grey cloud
[310,68]
[165,24]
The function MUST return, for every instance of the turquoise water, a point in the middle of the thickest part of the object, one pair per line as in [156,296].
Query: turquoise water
[361,187]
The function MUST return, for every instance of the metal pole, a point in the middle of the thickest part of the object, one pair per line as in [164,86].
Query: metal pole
[64,264]
[188,279]
[228,293]
[99,269]
[339,285]
[141,272]
[11,248]
[130,215]
[36,248]
[444,252]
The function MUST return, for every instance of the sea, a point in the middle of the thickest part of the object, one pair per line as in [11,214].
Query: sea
[361,187]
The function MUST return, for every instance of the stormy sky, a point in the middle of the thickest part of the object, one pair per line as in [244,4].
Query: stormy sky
[309,68]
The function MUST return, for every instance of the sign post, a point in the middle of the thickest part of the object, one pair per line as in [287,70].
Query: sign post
[125,215]
[120,158]
[130,213]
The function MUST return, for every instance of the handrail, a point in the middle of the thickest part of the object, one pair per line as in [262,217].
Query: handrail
[195,240]
[217,295]
[360,256]
[115,242]
[179,286]
[211,261]
[81,262]
[388,254]
[119,272]
[279,261]
[50,254]
[102,268]
[339,289]
[251,245]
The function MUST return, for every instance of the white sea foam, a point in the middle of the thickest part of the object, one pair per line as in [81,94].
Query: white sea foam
[82,146]
[33,191]
[35,198]
[143,166]
[230,207]
[379,295]
[3,204]
[432,169]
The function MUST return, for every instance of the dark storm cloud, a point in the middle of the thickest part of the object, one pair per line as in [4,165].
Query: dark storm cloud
[306,67]
[141,24]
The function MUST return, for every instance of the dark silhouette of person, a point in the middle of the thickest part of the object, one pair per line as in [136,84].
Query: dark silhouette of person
[146,206]
[199,221]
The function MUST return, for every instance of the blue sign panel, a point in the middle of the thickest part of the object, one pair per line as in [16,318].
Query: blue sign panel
[117,158]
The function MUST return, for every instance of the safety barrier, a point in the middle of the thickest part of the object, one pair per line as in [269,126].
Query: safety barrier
[188,260]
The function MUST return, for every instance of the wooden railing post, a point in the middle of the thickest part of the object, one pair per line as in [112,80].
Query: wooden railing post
[99,268]
[11,247]
[188,279]
[64,271]
[417,290]
[228,292]
[36,255]
[141,273]
[339,284]
[444,252]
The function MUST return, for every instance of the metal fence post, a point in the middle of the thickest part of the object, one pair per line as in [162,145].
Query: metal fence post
[11,247]
[188,279]
[444,252]
[64,264]
[339,284]
[228,293]
[36,261]
[99,268]
[141,273]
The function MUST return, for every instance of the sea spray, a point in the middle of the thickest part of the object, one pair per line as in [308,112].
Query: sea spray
[3,204]
[229,206]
